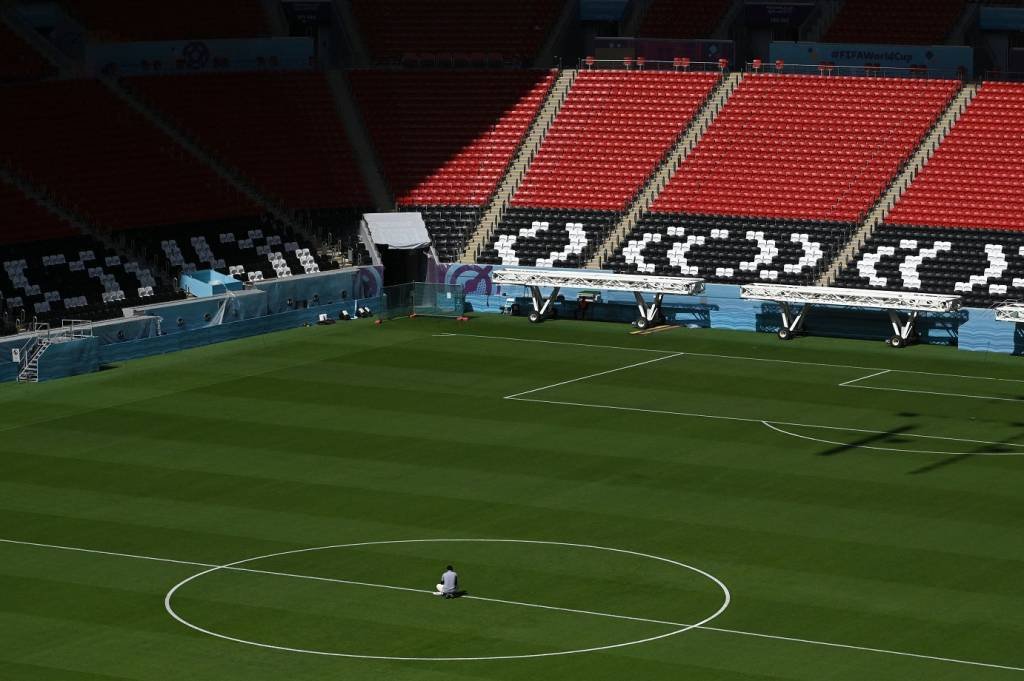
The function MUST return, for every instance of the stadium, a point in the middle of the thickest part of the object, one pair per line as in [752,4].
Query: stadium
[553,339]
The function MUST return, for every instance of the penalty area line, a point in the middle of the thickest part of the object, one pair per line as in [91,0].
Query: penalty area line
[722,630]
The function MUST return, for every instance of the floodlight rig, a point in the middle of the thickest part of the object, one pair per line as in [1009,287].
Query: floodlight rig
[893,302]
[543,306]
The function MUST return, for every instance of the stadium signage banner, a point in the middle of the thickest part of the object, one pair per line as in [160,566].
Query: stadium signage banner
[200,55]
[764,14]
[307,12]
[941,59]
[657,49]
[1001,19]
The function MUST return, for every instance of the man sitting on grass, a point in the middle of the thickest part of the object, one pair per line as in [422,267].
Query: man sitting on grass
[449,586]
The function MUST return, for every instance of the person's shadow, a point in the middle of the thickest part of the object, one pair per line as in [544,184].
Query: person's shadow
[457,594]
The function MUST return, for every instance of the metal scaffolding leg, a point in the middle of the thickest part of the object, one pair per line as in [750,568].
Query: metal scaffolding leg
[792,324]
[904,332]
[542,307]
[648,313]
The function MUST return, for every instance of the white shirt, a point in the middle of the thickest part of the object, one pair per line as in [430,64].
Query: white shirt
[449,582]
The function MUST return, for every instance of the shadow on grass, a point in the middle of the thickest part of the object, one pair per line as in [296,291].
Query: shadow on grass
[873,438]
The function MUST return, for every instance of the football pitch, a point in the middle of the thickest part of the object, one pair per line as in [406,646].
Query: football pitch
[690,504]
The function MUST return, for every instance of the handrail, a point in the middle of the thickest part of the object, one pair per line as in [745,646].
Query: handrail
[830,69]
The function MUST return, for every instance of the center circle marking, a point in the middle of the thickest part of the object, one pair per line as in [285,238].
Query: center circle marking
[169,607]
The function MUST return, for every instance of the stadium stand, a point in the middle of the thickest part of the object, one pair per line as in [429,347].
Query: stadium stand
[246,249]
[609,137]
[281,129]
[445,138]
[783,176]
[959,227]
[673,19]
[908,22]
[22,219]
[102,159]
[459,32]
[131,20]
[18,61]
[74,276]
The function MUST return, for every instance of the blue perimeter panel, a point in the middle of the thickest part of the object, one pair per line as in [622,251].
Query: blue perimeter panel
[119,352]
[983,333]
[80,356]
[719,308]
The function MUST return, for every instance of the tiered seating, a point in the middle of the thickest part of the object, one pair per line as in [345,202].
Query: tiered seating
[908,22]
[982,266]
[963,215]
[796,162]
[248,250]
[393,28]
[72,277]
[808,147]
[445,138]
[730,249]
[610,135]
[974,177]
[19,61]
[692,19]
[22,219]
[105,160]
[545,237]
[281,129]
[131,20]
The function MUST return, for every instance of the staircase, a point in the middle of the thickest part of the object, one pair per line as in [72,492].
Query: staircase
[359,138]
[358,53]
[65,66]
[724,28]
[520,163]
[558,35]
[820,20]
[28,371]
[118,243]
[924,152]
[686,143]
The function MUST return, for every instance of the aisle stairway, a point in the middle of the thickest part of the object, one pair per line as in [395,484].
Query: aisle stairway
[877,216]
[520,164]
[661,177]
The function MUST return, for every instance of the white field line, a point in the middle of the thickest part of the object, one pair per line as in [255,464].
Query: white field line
[736,357]
[935,392]
[864,378]
[895,449]
[737,632]
[850,384]
[720,417]
[600,373]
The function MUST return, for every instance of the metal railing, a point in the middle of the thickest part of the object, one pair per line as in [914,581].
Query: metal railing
[642,64]
[871,70]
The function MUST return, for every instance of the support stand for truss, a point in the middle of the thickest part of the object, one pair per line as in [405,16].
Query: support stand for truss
[893,302]
[543,307]
[650,314]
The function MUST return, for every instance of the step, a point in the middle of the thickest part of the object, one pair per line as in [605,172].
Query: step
[688,140]
[876,216]
[524,155]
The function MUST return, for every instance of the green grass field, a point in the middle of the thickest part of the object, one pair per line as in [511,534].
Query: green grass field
[821,509]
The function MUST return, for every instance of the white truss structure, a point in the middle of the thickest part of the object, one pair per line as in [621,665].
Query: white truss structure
[892,302]
[1010,312]
[535,279]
